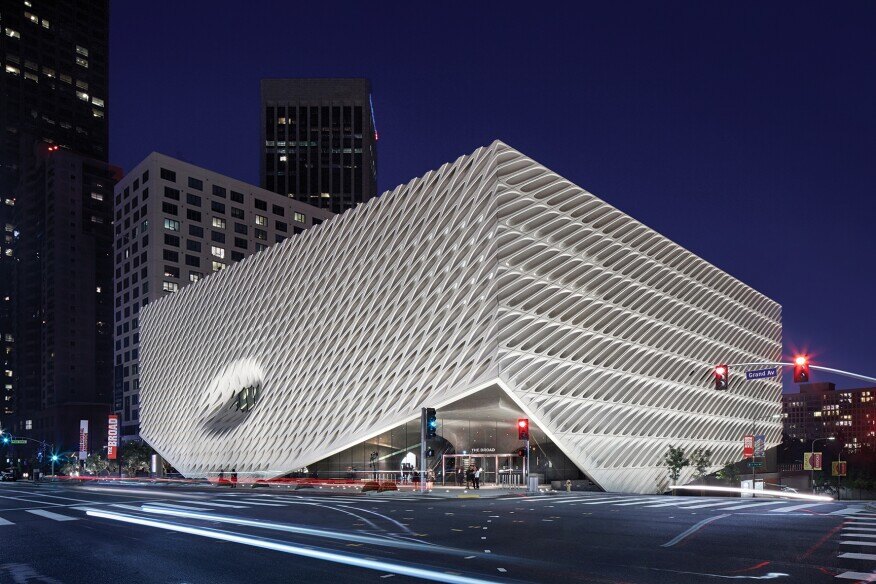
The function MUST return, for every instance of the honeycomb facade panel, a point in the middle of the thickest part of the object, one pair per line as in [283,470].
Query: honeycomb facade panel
[491,271]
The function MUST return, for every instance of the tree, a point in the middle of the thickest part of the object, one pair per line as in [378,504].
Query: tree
[675,461]
[729,473]
[70,466]
[96,464]
[135,457]
[701,461]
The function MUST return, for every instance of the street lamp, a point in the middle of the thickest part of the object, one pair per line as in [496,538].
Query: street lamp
[812,470]
[54,460]
[753,430]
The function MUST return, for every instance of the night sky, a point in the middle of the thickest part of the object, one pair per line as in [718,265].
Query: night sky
[744,132]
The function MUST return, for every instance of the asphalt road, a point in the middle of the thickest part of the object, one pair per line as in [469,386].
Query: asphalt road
[179,534]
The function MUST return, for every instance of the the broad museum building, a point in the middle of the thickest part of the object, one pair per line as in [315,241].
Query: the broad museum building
[490,289]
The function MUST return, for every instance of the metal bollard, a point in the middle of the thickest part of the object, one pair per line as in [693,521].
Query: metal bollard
[568,486]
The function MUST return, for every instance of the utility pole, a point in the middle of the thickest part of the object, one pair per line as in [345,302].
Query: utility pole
[423,450]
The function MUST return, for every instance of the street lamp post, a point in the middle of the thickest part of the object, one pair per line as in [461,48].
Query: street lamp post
[812,469]
[752,461]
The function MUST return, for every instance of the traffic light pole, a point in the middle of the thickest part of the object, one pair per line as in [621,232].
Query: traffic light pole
[526,480]
[423,450]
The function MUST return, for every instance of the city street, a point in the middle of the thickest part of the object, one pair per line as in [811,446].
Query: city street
[174,534]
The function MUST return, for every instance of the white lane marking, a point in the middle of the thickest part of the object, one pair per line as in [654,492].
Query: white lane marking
[251,502]
[5,522]
[128,507]
[608,501]
[644,502]
[858,522]
[684,501]
[795,507]
[579,499]
[53,516]
[851,556]
[693,529]
[174,506]
[853,527]
[41,502]
[859,576]
[710,505]
[847,511]
[857,542]
[214,504]
[747,505]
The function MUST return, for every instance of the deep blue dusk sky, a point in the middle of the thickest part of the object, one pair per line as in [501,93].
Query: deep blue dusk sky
[744,132]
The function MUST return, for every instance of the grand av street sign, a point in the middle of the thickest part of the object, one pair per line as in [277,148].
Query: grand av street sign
[18,441]
[761,373]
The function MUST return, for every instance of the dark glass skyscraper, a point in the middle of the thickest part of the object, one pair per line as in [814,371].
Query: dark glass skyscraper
[318,141]
[53,91]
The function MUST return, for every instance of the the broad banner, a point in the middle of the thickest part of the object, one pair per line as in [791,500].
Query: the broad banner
[112,439]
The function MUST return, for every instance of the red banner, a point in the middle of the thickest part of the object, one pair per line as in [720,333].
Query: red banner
[748,446]
[112,446]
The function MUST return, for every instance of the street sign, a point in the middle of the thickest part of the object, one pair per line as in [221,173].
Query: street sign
[755,463]
[761,373]
[759,445]
[112,446]
[838,468]
[811,461]
[18,441]
[747,446]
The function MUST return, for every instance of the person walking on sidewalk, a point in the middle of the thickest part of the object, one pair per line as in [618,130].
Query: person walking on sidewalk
[477,477]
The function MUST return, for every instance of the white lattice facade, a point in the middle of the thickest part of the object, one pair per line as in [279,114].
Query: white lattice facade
[491,271]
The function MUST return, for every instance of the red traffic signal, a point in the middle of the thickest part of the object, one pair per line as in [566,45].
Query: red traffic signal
[801,369]
[523,429]
[722,377]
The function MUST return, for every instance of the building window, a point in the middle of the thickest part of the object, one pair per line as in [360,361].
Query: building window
[169,286]
[300,218]
[97,196]
[263,221]
[171,224]
[240,242]
[171,240]
[278,210]
[261,234]
[240,228]
[237,197]
[193,200]
[171,272]
[168,175]
[217,207]
[217,251]
[218,266]
[195,276]
[219,191]
[260,247]
[193,261]
[217,236]
[261,205]
[236,256]
[219,222]
[169,208]
[171,256]
[196,184]
[280,226]
[237,213]
[193,245]
[196,231]
[171,193]
[193,215]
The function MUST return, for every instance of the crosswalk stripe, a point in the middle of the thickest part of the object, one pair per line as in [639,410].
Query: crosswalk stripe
[847,511]
[856,534]
[671,504]
[748,505]
[607,501]
[859,576]
[50,515]
[795,508]
[581,500]
[5,522]
[858,522]
[850,542]
[853,527]
[851,556]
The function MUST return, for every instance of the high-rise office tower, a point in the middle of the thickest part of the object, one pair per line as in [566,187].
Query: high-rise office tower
[63,299]
[318,141]
[176,223]
[53,90]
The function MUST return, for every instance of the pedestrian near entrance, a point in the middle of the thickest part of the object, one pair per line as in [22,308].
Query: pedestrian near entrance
[233,478]
[221,477]
[477,477]
[469,477]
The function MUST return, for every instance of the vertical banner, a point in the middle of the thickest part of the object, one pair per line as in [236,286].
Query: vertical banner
[83,439]
[759,445]
[812,461]
[748,446]
[112,439]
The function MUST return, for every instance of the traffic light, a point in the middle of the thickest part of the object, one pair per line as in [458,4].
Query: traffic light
[431,423]
[722,377]
[6,440]
[430,452]
[523,429]
[801,369]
